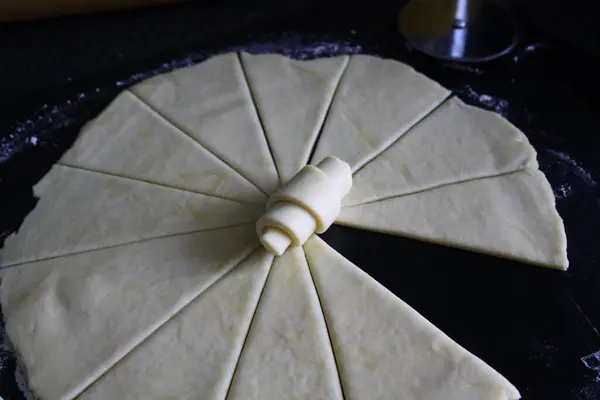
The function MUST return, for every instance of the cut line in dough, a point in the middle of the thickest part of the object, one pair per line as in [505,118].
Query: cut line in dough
[512,216]
[455,143]
[80,211]
[90,319]
[85,312]
[287,354]
[204,339]
[300,90]
[211,103]
[374,105]
[258,116]
[163,154]
[385,349]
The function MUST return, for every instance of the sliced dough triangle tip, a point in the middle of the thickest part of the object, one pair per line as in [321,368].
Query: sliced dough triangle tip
[130,140]
[292,98]
[287,354]
[211,103]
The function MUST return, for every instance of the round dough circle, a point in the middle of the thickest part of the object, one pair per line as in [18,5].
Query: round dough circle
[139,273]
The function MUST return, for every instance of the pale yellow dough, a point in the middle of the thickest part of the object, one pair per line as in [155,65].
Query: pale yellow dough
[456,142]
[511,216]
[310,202]
[376,103]
[385,349]
[164,154]
[287,354]
[139,272]
[194,354]
[120,210]
[211,103]
[73,318]
[299,90]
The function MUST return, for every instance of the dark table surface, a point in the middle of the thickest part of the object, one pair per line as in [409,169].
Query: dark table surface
[535,326]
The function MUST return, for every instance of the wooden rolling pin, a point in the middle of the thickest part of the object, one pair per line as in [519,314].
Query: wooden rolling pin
[19,10]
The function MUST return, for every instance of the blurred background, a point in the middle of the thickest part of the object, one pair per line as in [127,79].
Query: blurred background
[573,20]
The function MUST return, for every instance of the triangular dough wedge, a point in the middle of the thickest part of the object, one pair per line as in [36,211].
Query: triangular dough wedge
[376,103]
[510,216]
[211,102]
[287,354]
[457,142]
[130,140]
[292,97]
[82,313]
[385,349]
[82,210]
[192,356]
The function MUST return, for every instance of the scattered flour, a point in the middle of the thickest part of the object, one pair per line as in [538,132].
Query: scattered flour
[575,166]
[6,353]
[322,49]
[22,385]
[496,104]
[29,132]
[533,47]
[592,391]
[529,49]
[592,361]
[589,392]
[463,67]
[49,118]
[8,147]
[563,191]
[289,45]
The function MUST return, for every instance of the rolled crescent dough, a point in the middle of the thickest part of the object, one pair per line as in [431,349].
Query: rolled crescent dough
[140,274]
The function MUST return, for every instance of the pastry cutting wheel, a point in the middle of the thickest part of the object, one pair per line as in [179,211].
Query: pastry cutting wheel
[458,30]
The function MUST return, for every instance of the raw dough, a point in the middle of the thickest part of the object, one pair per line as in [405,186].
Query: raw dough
[455,143]
[385,349]
[102,313]
[511,216]
[85,312]
[299,90]
[310,202]
[211,103]
[287,354]
[163,153]
[376,103]
[120,211]
[204,341]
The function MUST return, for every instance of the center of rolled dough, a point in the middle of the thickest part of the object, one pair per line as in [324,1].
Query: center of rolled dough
[310,202]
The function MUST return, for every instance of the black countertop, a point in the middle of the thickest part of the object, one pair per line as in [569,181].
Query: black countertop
[535,326]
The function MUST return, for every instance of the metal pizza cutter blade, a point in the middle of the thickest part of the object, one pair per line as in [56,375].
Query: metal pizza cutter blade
[458,30]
